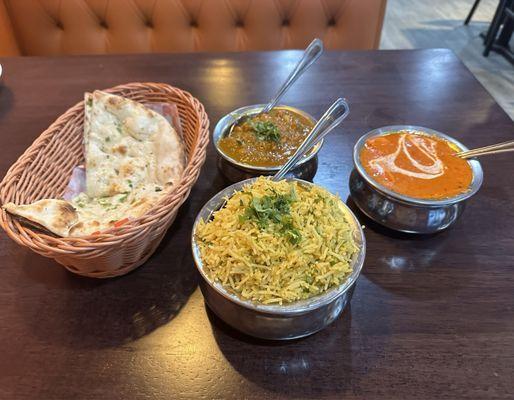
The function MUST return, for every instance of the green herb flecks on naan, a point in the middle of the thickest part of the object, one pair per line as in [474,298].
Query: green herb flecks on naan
[133,158]
[128,145]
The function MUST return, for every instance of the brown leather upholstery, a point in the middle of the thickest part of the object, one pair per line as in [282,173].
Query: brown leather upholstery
[8,45]
[47,27]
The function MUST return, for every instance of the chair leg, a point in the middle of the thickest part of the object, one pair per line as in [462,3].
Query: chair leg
[495,26]
[508,26]
[471,12]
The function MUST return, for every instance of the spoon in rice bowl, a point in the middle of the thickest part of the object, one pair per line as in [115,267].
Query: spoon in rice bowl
[335,114]
[270,313]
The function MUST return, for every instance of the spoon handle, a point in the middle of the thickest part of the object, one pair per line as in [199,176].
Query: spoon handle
[332,117]
[311,54]
[503,147]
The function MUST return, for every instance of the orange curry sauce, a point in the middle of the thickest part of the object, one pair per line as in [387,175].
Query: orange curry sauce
[417,165]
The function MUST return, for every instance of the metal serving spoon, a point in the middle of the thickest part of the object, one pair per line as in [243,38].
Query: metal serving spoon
[311,54]
[503,147]
[336,113]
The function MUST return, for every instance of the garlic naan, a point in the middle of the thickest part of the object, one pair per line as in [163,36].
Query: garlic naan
[84,215]
[101,213]
[57,216]
[133,157]
[128,145]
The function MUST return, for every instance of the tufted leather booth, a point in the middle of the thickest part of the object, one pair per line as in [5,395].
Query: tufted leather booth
[51,27]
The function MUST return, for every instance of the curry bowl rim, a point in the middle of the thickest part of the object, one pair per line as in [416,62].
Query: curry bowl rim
[474,164]
[228,119]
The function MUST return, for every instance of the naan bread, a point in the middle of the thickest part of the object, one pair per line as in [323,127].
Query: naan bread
[101,213]
[84,215]
[133,157]
[128,145]
[57,216]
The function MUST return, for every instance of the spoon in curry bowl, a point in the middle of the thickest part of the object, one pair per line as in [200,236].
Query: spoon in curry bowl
[310,55]
[503,147]
[335,114]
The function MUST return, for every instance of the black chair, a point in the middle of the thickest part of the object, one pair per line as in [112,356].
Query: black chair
[471,12]
[500,31]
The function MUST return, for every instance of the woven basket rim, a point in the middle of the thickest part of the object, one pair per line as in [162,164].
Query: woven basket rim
[134,227]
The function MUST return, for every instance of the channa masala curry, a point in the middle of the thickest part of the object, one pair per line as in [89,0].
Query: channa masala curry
[417,165]
[267,140]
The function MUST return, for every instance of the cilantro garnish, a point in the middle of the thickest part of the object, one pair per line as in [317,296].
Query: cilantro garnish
[266,131]
[274,209]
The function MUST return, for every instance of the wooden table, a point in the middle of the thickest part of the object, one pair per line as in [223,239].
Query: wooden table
[432,317]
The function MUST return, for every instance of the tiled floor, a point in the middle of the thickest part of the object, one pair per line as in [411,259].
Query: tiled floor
[411,24]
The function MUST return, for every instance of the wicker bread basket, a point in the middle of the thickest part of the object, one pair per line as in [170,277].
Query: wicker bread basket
[44,170]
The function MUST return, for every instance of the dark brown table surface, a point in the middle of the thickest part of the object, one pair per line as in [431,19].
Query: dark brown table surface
[431,318]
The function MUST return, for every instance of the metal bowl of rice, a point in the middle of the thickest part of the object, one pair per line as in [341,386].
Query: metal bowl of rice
[280,319]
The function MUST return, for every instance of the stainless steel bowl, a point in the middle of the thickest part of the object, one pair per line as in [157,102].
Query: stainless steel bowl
[236,171]
[403,213]
[276,322]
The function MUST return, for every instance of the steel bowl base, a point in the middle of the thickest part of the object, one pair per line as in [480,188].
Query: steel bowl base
[272,326]
[399,216]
